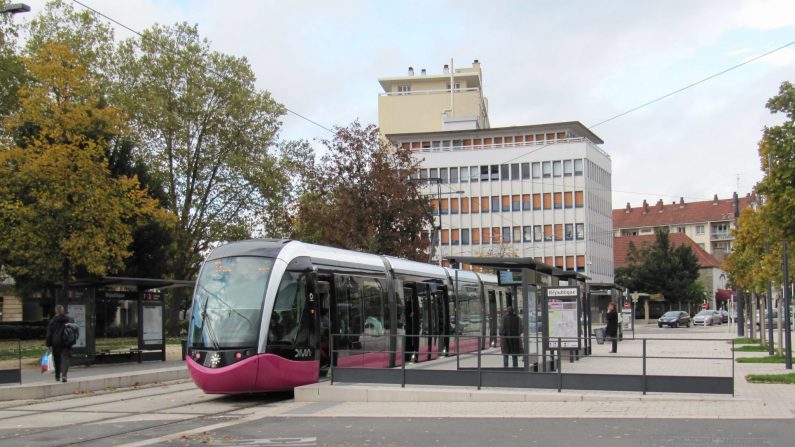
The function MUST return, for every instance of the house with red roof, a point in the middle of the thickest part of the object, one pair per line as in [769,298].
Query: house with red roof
[710,274]
[708,223]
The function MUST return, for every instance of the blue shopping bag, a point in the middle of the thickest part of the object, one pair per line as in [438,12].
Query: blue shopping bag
[47,365]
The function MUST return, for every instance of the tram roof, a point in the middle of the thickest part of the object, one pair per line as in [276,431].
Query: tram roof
[400,265]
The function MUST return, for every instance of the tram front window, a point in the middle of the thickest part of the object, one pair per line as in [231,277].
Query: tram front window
[227,304]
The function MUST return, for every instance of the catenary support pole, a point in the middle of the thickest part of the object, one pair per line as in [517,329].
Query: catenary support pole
[787,297]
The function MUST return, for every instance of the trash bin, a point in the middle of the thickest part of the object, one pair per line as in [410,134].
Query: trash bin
[599,333]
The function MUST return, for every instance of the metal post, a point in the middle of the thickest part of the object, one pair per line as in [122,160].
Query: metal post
[644,366]
[769,307]
[331,351]
[740,311]
[733,367]
[19,355]
[560,365]
[787,332]
[403,365]
[480,371]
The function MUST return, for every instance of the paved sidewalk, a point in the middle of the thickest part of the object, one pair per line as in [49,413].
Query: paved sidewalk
[751,401]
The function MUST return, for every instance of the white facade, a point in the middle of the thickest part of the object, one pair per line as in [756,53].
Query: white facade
[551,185]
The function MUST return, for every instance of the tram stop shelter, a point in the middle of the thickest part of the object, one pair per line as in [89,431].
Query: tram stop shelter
[562,303]
[117,308]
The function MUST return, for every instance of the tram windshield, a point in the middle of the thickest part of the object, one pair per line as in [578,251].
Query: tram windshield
[227,305]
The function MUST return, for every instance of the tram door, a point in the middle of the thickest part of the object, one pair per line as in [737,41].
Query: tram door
[494,318]
[323,327]
[412,312]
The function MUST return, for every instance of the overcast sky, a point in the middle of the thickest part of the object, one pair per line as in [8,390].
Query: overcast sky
[542,61]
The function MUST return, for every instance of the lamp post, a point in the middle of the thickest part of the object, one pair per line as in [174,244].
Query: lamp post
[15,8]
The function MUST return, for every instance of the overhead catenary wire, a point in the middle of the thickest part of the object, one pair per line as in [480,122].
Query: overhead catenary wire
[138,33]
[660,98]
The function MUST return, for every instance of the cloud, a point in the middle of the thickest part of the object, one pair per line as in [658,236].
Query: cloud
[767,15]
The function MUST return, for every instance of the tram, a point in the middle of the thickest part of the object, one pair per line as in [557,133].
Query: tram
[268,314]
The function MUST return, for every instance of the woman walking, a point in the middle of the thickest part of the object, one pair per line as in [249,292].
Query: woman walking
[612,326]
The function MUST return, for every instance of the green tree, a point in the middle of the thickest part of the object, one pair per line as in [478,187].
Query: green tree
[61,210]
[777,154]
[663,268]
[11,70]
[91,41]
[361,197]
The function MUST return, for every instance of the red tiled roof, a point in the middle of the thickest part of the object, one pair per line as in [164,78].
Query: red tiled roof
[621,245]
[677,213]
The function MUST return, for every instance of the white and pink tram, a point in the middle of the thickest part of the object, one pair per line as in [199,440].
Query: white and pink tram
[264,312]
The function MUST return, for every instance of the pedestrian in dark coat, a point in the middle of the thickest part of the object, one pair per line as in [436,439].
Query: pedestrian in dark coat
[61,354]
[612,326]
[510,343]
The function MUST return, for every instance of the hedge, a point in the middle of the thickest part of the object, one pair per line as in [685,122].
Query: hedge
[22,332]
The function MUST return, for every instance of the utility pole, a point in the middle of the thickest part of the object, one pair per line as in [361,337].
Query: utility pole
[739,294]
[787,299]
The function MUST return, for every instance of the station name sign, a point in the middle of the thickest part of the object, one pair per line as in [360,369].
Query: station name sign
[563,291]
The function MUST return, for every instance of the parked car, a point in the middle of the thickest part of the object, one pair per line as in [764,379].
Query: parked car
[707,317]
[674,318]
[724,316]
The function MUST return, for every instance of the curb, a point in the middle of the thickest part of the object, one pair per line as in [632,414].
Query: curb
[92,383]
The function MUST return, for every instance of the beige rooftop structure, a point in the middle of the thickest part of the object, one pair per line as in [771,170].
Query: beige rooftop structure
[419,102]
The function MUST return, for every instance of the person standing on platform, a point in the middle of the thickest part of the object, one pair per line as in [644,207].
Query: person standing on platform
[61,352]
[612,326]
[509,340]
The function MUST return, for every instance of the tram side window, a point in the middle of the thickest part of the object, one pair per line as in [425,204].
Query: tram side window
[288,325]
[376,319]
[349,317]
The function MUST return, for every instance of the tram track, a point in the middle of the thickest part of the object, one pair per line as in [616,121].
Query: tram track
[190,416]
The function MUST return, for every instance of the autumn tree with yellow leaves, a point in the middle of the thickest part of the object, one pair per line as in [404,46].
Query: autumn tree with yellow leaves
[62,213]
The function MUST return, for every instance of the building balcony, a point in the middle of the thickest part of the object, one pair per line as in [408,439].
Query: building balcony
[722,236]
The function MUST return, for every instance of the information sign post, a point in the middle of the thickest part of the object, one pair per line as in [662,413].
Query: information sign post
[150,323]
[560,316]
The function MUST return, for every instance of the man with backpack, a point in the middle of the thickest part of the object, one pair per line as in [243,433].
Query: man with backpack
[62,334]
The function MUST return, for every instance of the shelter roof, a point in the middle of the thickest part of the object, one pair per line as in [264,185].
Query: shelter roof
[143,283]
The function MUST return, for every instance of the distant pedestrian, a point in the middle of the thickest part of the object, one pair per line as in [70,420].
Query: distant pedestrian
[612,326]
[510,343]
[61,349]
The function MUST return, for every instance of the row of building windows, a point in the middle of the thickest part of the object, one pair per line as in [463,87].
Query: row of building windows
[524,202]
[515,171]
[486,143]
[516,234]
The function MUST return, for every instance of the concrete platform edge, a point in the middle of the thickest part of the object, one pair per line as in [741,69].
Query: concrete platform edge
[79,385]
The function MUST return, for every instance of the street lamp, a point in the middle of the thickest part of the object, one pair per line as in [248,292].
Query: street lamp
[15,8]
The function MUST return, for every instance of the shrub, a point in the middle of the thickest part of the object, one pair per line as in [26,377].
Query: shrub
[22,332]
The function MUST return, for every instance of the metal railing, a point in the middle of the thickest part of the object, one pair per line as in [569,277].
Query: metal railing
[543,368]
[430,92]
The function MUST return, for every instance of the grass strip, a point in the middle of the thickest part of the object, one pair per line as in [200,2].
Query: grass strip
[751,348]
[745,341]
[788,378]
[768,359]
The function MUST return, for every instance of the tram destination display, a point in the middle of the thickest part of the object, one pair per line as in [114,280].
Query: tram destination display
[509,277]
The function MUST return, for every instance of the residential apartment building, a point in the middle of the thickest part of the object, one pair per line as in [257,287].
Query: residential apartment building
[452,100]
[708,223]
[540,191]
